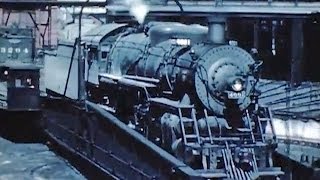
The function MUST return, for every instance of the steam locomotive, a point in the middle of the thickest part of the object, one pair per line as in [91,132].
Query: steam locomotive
[19,75]
[188,91]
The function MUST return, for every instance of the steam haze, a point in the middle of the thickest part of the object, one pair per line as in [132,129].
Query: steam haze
[138,9]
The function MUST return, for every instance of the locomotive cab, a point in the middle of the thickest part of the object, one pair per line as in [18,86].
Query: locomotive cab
[20,86]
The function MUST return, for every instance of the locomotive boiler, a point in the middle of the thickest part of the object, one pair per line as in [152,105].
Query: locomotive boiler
[188,91]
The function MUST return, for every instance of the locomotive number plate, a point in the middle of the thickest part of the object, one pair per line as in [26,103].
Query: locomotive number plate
[236,95]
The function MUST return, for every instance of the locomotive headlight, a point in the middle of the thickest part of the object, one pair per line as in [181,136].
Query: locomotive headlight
[5,72]
[237,85]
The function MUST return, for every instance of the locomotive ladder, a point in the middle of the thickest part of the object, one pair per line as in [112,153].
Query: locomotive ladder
[250,126]
[208,126]
[191,136]
[267,118]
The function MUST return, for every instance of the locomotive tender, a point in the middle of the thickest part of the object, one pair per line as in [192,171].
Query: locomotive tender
[19,76]
[186,90]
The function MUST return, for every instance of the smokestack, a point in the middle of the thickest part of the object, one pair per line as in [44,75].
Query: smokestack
[138,8]
[216,32]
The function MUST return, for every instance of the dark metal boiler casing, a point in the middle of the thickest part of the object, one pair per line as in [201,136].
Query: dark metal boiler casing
[183,69]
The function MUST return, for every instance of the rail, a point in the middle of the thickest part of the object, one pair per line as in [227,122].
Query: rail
[299,141]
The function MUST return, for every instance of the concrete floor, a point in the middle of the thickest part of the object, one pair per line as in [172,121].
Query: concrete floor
[33,161]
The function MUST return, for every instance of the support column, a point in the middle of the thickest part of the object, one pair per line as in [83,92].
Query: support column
[81,67]
[256,30]
[7,18]
[49,26]
[1,15]
[297,46]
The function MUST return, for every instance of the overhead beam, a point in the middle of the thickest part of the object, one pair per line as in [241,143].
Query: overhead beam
[229,8]
[35,4]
